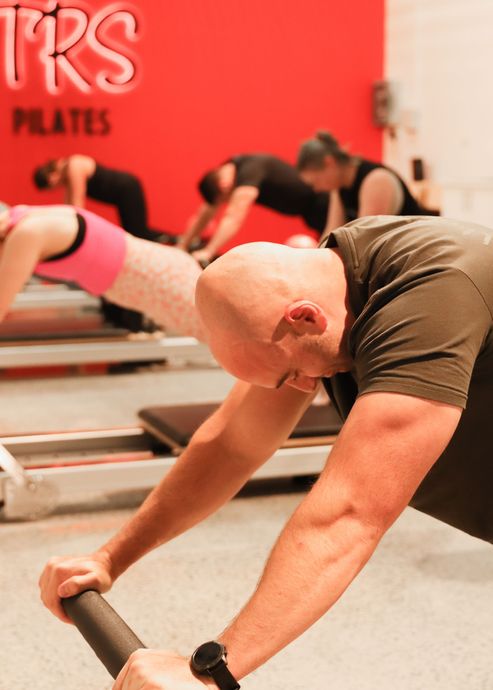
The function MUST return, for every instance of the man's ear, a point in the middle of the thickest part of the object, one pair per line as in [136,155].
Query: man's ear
[306,317]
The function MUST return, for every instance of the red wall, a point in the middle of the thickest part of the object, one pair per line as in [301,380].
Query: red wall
[214,78]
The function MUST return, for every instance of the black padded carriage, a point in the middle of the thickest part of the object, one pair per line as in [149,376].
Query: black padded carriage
[175,425]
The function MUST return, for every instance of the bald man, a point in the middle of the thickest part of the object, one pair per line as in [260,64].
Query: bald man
[394,316]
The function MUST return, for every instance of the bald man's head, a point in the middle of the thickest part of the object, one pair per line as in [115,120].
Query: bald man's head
[237,290]
[260,298]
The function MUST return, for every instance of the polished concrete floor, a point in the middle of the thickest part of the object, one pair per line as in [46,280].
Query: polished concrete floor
[419,617]
[86,402]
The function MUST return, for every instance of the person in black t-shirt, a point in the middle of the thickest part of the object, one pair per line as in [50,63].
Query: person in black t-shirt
[394,314]
[251,179]
[358,187]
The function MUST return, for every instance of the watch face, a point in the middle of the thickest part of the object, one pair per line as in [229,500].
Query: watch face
[207,656]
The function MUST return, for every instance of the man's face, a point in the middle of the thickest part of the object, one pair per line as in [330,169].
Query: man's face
[298,362]
[307,359]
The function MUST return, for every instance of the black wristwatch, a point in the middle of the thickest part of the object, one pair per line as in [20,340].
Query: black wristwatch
[210,660]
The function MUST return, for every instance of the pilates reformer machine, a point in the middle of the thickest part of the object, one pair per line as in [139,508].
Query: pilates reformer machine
[53,324]
[47,310]
[37,297]
[114,345]
[42,472]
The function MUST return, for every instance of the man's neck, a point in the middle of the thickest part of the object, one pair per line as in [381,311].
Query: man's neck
[336,302]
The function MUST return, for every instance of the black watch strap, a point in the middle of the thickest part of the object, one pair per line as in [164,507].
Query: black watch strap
[223,677]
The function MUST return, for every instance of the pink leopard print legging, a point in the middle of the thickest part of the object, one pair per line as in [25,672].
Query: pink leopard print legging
[159,281]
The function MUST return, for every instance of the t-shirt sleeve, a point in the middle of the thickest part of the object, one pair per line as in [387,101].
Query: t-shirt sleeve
[424,341]
[250,173]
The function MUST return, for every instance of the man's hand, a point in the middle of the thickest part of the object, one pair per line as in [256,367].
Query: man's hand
[152,669]
[66,576]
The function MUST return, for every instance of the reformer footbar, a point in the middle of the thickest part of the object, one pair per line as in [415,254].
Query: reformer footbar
[103,629]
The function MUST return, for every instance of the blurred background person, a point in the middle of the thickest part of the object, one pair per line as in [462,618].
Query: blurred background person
[83,177]
[357,186]
[249,179]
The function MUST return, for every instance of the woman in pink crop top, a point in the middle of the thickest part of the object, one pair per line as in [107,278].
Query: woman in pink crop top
[68,243]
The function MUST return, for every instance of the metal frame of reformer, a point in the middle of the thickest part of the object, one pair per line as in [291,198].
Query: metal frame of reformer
[146,348]
[54,298]
[69,460]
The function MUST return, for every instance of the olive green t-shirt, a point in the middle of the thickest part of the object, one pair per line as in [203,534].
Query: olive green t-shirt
[421,289]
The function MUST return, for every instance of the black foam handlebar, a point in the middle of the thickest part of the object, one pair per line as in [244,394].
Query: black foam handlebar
[103,629]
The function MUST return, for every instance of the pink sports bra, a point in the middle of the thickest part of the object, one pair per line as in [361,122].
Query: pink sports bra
[95,258]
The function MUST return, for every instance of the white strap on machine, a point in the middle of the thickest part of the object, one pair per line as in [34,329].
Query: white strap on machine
[25,496]
[13,468]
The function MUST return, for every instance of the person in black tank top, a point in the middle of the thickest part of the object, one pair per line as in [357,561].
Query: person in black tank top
[358,187]
[249,179]
[81,177]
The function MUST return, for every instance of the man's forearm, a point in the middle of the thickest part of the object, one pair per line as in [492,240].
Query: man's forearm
[228,227]
[195,226]
[311,565]
[387,446]
[235,215]
[199,483]
[221,457]
[193,230]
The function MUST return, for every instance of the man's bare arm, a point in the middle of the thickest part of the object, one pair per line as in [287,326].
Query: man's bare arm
[236,212]
[197,223]
[222,455]
[385,449]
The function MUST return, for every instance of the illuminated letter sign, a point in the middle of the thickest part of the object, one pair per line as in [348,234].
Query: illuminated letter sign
[75,46]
